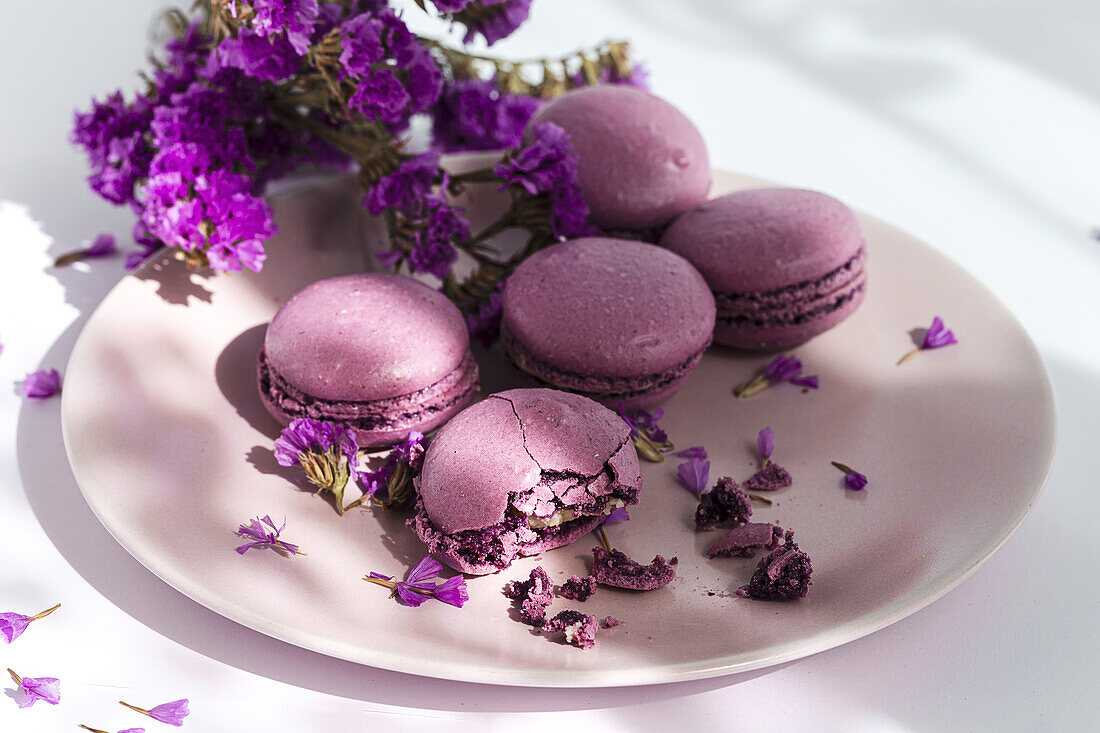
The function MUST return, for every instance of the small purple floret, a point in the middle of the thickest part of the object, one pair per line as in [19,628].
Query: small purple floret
[578,589]
[534,595]
[612,567]
[855,480]
[618,515]
[579,628]
[101,246]
[694,474]
[782,368]
[453,591]
[726,502]
[782,575]
[938,335]
[769,478]
[46,689]
[765,443]
[264,533]
[12,625]
[171,713]
[42,384]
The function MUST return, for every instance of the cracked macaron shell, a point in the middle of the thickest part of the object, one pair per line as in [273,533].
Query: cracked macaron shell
[366,337]
[640,160]
[500,447]
[609,308]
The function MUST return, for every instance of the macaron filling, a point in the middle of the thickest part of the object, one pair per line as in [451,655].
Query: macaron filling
[795,304]
[393,413]
[602,388]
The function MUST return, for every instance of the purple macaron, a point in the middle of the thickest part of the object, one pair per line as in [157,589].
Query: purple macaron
[615,320]
[640,161]
[380,353]
[785,264]
[519,473]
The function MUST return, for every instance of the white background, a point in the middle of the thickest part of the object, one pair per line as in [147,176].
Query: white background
[973,125]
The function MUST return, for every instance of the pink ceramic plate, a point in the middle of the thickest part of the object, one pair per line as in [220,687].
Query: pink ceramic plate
[172,450]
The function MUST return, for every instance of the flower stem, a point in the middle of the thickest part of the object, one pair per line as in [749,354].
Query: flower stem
[93,730]
[758,497]
[14,676]
[757,384]
[841,466]
[45,613]
[908,356]
[603,538]
[70,257]
[134,707]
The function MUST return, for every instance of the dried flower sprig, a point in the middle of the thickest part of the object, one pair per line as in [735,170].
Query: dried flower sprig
[264,533]
[324,450]
[46,689]
[853,479]
[392,484]
[246,92]
[97,730]
[651,441]
[12,625]
[936,337]
[765,443]
[418,586]
[170,713]
[780,369]
[102,246]
[42,384]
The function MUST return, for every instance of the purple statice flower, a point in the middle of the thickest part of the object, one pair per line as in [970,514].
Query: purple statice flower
[452,591]
[694,474]
[440,225]
[697,451]
[267,58]
[37,688]
[648,437]
[380,96]
[148,243]
[101,246]
[391,484]
[112,136]
[780,369]
[765,443]
[42,384]
[853,479]
[725,502]
[327,452]
[484,324]
[294,18]
[422,76]
[938,336]
[493,19]
[782,575]
[361,43]
[12,625]
[618,515]
[264,533]
[418,586]
[406,186]
[476,115]
[548,166]
[170,713]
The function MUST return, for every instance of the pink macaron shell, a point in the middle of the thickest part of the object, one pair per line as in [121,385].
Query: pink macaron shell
[608,308]
[763,239]
[366,337]
[640,161]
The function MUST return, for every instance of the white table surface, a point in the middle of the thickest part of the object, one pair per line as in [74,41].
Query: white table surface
[973,125]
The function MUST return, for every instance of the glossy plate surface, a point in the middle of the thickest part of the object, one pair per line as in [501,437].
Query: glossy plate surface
[172,450]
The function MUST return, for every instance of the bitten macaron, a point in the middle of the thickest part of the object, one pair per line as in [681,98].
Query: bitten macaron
[380,353]
[520,473]
[640,160]
[785,264]
[616,320]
